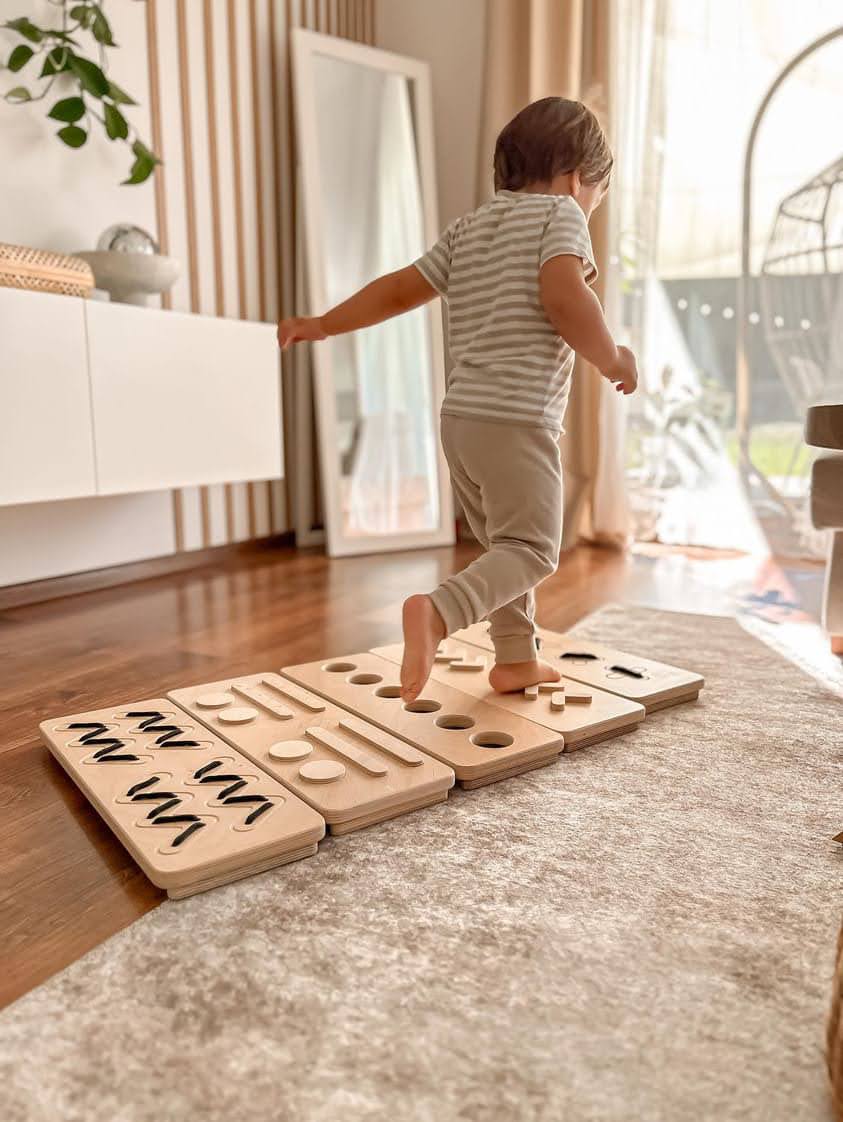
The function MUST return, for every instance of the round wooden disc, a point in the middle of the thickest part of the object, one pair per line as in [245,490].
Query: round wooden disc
[238,716]
[290,750]
[322,771]
[214,700]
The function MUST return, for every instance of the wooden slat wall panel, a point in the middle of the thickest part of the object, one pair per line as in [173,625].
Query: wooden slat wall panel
[221,109]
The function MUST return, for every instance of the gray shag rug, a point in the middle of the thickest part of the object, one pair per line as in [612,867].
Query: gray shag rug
[643,931]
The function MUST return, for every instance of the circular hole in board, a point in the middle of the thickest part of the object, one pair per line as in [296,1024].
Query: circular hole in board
[492,739]
[290,750]
[422,705]
[365,679]
[339,667]
[388,691]
[455,721]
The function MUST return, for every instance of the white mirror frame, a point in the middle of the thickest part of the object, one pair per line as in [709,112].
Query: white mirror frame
[306,45]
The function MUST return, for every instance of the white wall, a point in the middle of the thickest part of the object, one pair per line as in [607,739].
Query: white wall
[54,197]
[450,36]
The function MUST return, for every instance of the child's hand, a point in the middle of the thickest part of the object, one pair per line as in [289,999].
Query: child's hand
[300,329]
[624,373]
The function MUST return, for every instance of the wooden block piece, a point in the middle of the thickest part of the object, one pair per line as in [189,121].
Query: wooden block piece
[192,811]
[215,700]
[365,760]
[295,693]
[377,781]
[478,741]
[273,707]
[290,750]
[390,744]
[557,700]
[322,771]
[468,664]
[578,696]
[582,724]
[238,716]
[647,681]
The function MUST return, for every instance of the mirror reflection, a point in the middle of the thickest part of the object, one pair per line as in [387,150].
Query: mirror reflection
[371,216]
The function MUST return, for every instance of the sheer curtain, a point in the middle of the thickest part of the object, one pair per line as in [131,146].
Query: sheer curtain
[537,48]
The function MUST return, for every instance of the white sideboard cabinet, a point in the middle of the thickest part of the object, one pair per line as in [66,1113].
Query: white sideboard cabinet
[46,435]
[105,399]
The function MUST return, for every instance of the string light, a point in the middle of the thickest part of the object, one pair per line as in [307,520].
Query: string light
[682,304]
[705,309]
[728,313]
[754,317]
[778,321]
[805,324]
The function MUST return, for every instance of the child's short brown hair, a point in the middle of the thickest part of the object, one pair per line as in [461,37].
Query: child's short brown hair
[547,138]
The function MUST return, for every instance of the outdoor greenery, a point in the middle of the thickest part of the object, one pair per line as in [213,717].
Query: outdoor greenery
[89,94]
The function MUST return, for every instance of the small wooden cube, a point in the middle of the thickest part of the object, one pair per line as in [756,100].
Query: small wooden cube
[557,700]
[531,693]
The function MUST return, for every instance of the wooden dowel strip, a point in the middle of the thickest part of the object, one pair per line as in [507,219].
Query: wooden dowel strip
[390,744]
[270,706]
[364,760]
[295,693]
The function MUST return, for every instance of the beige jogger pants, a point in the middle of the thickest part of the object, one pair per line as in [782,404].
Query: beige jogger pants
[508,479]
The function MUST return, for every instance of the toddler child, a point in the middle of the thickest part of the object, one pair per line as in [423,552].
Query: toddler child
[515,274]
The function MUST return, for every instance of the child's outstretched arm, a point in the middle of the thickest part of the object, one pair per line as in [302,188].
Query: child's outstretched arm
[388,296]
[575,312]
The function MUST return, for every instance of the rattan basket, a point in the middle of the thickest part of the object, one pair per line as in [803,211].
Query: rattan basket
[44,271]
[834,1034]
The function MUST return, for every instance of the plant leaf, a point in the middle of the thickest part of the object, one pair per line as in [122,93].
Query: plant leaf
[69,109]
[73,136]
[26,28]
[119,96]
[18,94]
[19,57]
[102,29]
[116,124]
[82,13]
[56,62]
[142,168]
[90,75]
[144,153]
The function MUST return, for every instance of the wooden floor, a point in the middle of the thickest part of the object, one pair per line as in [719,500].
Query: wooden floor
[67,884]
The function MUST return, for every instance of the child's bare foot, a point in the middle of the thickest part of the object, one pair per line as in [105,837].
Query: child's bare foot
[423,632]
[507,677]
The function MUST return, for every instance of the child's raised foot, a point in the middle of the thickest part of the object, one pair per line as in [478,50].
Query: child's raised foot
[508,677]
[423,632]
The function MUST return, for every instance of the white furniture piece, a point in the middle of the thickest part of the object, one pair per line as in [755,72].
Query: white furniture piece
[107,399]
[824,429]
[46,429]
[365,129]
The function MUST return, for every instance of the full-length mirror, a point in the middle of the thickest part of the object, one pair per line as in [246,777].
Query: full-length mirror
[364,129]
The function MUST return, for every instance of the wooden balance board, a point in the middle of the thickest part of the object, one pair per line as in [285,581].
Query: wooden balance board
[193,812]
[656,685]
[588,716]
[348,770]
[481,742]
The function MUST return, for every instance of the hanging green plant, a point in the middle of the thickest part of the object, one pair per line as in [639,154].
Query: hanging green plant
[91,95]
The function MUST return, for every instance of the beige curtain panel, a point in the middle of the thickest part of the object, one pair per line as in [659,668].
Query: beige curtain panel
[539,48]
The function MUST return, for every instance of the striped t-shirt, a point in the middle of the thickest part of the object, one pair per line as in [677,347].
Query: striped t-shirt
[509,363]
